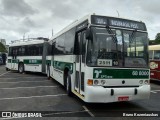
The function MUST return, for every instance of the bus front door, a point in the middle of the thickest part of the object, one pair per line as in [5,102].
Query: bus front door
[79,79]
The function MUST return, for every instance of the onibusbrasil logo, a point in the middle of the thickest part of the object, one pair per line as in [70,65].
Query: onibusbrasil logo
[20,115]
[153,65]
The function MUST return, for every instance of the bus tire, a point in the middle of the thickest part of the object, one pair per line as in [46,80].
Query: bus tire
[7,69]
[48,73]
[21,68]
[68,85]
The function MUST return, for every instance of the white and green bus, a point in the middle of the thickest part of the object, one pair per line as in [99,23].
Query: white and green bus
[91,59]
[28,55]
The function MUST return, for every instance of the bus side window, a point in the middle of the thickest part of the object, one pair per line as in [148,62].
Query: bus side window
[83,46]
[150,54]
[69,41]
[76,46]
[53,51]
[157,54]
[23,51]
[10,51]
[15,52]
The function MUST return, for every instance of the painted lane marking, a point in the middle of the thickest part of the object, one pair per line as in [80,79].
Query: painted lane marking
[89,112]
[153,92]
[23,77]
[156,90]
[33,97]
[26,81]
[29,87]
[58,113]
[4,73]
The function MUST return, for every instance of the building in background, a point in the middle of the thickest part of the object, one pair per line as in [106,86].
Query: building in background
[3,41]
[7,47]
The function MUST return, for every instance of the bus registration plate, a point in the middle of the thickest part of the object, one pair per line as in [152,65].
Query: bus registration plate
[123,98]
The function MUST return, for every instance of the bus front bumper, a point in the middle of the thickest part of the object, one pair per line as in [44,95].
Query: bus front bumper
[99,94]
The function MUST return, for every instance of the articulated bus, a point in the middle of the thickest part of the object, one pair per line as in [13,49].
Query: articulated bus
[28,55]
[95,59]
[154,56]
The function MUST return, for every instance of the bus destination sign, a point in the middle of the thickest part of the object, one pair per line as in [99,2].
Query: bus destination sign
[117,22]
[125,24]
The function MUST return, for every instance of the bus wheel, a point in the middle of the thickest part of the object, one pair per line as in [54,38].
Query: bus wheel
[48,73]
[68,85]
[7,69]
[21,68]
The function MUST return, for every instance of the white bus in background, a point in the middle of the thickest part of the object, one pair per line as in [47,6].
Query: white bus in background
[28,55]
[90,58]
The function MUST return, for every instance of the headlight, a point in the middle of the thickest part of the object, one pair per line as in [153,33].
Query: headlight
[141,81]
[146,81]
[103,82]
[96,82]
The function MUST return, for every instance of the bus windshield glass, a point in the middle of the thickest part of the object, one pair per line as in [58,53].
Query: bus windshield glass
[117,48]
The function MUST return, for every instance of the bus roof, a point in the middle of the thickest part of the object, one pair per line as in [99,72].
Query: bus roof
[70,26]
[110,21]
[28,41]
[154,47]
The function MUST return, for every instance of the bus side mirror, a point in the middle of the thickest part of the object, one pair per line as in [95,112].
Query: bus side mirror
[89,35]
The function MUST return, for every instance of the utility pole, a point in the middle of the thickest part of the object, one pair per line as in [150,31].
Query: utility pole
[23,36]
[52,32]
[117,13]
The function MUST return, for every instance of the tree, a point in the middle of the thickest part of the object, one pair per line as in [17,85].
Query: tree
[157,38]
[2,48]
[152,42]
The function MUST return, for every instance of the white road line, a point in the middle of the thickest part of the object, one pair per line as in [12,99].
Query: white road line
[26,81]
[28,87]
[58,113]
[89,112]
[32,97]
[4,73]
[22,77]
[153,92]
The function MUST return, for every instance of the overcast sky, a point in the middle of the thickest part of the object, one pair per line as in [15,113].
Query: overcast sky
[35,18]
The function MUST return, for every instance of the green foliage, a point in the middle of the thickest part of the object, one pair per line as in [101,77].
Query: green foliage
[152,42]
[2,48]
[157,38]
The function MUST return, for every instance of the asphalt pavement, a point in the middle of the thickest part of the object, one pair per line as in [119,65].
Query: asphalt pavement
[34,92]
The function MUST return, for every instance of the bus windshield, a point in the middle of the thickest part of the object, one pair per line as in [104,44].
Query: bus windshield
[117,48]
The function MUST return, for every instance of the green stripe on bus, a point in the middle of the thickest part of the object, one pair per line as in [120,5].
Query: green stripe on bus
[48,62]
[13,60]
[32,61]
[62,65]
[121,73]
[9,60]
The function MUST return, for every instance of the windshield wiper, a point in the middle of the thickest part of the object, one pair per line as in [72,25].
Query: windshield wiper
[111,32]
[114,39]
[133,35]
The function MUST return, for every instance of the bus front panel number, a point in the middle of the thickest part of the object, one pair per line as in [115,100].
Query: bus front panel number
[102,62]
[140,73]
